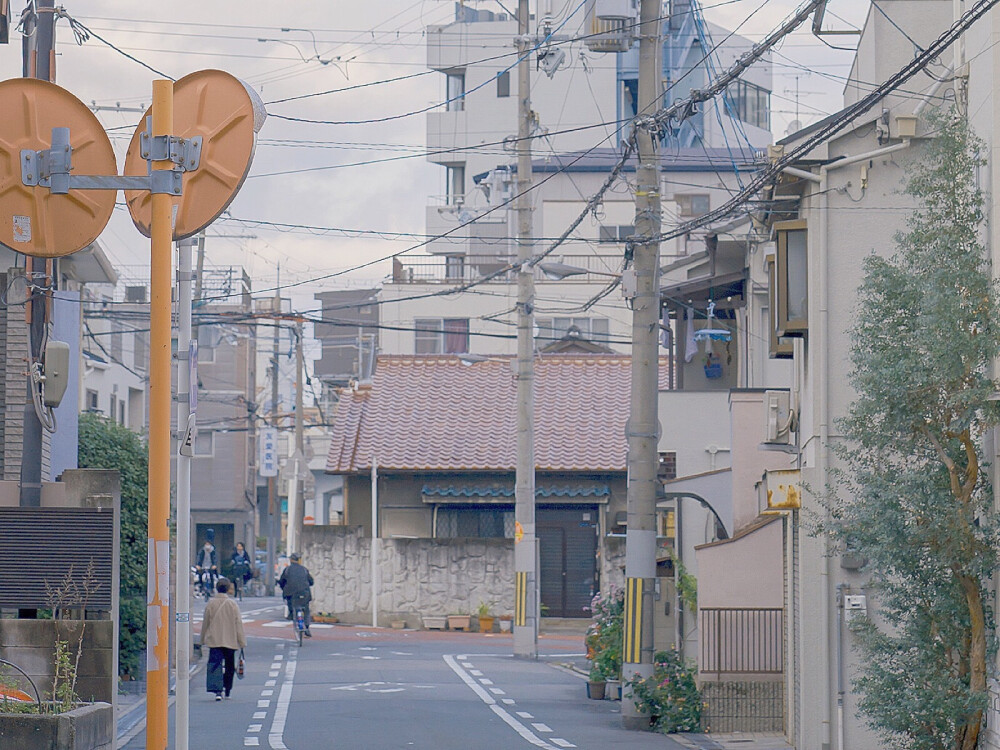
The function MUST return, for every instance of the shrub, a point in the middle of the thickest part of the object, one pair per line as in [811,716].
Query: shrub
[106,445]
[605,636]
[670,695]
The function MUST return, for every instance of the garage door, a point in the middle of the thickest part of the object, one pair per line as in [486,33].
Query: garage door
[567,538]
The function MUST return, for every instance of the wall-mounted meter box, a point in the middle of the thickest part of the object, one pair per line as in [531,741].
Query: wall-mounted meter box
[855,605]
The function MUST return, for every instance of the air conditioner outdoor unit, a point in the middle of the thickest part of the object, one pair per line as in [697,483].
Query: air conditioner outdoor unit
[777,417]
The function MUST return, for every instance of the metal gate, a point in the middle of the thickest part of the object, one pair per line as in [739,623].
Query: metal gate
[567,538]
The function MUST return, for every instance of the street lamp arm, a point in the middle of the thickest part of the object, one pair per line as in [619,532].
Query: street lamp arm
[701,501]
[558,271]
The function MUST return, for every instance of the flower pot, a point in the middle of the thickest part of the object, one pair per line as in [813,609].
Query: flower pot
[486,624]
[435,622]
[505,625]
[397,624]
[613,690]
[595,690]
[459,622]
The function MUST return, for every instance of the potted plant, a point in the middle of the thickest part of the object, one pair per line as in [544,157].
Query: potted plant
[605,637]
[595,684]
[506,621]
[485,618]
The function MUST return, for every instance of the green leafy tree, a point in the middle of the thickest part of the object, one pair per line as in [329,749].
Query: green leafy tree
[912,496]
[106,445]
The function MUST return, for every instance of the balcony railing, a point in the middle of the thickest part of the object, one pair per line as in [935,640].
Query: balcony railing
[461,269]
[742,640]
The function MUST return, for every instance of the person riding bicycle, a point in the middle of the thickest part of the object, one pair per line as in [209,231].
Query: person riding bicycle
[207,560]
[296,586]
[242,568]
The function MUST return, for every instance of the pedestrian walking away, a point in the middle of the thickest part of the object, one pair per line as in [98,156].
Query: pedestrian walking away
[222,632]
[296,586]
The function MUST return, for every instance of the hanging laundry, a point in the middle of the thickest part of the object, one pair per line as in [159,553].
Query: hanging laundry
[690,343]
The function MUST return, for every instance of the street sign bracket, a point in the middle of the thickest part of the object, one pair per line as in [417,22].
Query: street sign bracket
[50,168]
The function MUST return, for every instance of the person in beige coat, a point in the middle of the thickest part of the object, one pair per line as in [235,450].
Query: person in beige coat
[222,632]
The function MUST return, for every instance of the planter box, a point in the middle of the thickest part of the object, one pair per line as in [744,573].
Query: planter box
[397,624]
[435,622]
[459,622]
[326,619]
[613,690]
[89,727]
[505,626]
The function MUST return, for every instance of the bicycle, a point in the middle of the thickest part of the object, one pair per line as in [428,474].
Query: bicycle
[300,621]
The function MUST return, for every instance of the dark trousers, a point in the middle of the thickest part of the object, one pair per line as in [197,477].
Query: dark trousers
[221,670]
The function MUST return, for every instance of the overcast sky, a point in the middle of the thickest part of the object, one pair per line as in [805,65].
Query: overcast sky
[381,39]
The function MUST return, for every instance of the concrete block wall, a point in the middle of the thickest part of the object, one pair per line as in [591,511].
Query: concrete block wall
[417,577]
[30,644]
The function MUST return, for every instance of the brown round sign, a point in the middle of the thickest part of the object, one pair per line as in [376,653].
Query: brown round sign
[32,220]
[227,114]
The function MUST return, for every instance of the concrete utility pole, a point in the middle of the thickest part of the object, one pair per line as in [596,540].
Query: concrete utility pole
[643,426]
[38,61]
[296,503]
[526,603]
[273,509]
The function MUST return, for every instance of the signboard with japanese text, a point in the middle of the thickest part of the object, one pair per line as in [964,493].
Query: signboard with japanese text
[267,463]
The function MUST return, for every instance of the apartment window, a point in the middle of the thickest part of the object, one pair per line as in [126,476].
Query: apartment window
[209,337]
[454,266]
[791,279]
[503,84]
[91,400]
[553,329]
[615,232]
[456,92]
[121,412]
[139,350]
[442,336]
[779,347]
[455,179]
[116,341]
[475,522]
[693,204]
[750,104]
[112,402]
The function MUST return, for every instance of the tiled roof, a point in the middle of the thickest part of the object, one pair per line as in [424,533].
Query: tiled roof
[507,490]
[434,413]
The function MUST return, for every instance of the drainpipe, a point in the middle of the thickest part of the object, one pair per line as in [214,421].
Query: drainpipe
[841,588]
[932,91]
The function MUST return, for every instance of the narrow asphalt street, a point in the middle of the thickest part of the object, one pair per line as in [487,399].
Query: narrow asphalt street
[358,687]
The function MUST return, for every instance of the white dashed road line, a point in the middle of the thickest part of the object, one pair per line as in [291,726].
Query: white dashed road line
[490,701]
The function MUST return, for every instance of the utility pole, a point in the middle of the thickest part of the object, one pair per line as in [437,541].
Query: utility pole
[643,426]
[273,509]
[186,385]
[38,61]
[296,503]
[526,602]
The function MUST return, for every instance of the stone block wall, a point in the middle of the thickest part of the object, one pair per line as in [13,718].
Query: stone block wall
[417,577]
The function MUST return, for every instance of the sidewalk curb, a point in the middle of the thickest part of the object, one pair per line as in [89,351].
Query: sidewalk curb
[135,717]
